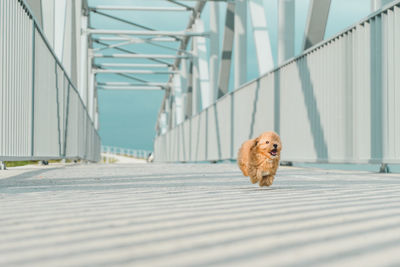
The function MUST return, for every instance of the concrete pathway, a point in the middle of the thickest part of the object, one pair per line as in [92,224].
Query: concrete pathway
[196,215]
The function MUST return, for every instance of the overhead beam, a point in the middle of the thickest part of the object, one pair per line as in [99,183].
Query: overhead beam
[133,71]
[317,19]
[130,88]
[138,56]
[135,39]
[132,65]
[146,33]
[132,52]
[142,8]
[130,84]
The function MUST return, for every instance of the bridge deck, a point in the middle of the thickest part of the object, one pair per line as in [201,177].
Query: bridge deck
[158,214]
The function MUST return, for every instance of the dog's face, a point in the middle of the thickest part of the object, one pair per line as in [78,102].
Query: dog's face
[269,145]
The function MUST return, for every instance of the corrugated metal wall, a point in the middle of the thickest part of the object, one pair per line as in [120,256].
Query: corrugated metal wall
[338,102]
[42,115]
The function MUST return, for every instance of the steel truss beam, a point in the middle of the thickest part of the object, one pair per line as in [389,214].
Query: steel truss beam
[133,71]
[138,56]
[286,21]
[135,39]
[132,65]
[137,8]
[130,87]
[184,42]
[317,19]
[131,84]
[261,37]
[226,57]
[132,52]
[145,33]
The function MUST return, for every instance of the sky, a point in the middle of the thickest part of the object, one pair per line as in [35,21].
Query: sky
[128,118]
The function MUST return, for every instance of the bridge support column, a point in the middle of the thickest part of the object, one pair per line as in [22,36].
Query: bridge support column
[202,67]
[317,19]
[226,56]
[214,50]
[286,17]
[240,47]
[189,93]
[177,95]
[377,4]
[261,36]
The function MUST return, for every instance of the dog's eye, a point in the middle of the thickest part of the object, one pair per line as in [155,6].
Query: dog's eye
[267,142]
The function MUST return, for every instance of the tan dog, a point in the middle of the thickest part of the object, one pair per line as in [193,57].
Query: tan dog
[259,158]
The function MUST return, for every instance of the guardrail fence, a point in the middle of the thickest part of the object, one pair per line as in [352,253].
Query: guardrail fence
[337,102]
[135,153]
[41,113]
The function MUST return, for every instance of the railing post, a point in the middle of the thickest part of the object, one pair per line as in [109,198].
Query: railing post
[2,165]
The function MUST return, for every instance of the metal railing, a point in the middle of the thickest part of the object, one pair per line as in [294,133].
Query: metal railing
[135,153]
[337,102]
[42,115]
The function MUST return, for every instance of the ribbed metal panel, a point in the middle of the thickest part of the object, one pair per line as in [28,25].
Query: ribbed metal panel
[41,113]
[15,80]
[337,102]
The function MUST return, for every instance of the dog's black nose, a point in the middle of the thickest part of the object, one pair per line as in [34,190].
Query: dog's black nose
[275,145]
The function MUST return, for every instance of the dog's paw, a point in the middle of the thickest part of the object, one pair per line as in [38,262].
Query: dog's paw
[267,180]
[253,180]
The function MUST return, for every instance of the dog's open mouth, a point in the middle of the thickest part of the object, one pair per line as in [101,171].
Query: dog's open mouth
[274,152]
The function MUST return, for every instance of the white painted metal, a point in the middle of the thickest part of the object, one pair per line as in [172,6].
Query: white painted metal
[320,102]
[317,19]
[133,71]
[136,153]
[146,33]
[135,39]
[130,84]
[59,22]
[178,96]
[132,65]
[261,36]
[139,8]
[240,40]
[202,67]
[286,19]
[377,4]
[182,47]
[226,54]
[214,50]
[42,116]
[195,81]
[84,60]
[105,87]
[138,56]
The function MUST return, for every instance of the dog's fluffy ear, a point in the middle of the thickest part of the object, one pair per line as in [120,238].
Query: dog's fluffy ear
[255,142]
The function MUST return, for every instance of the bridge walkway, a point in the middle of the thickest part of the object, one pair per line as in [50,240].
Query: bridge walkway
[196,215]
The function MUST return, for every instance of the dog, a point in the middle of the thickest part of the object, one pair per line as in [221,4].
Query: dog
[259,158]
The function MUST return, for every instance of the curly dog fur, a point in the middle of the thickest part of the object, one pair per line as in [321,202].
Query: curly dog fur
[259,158]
